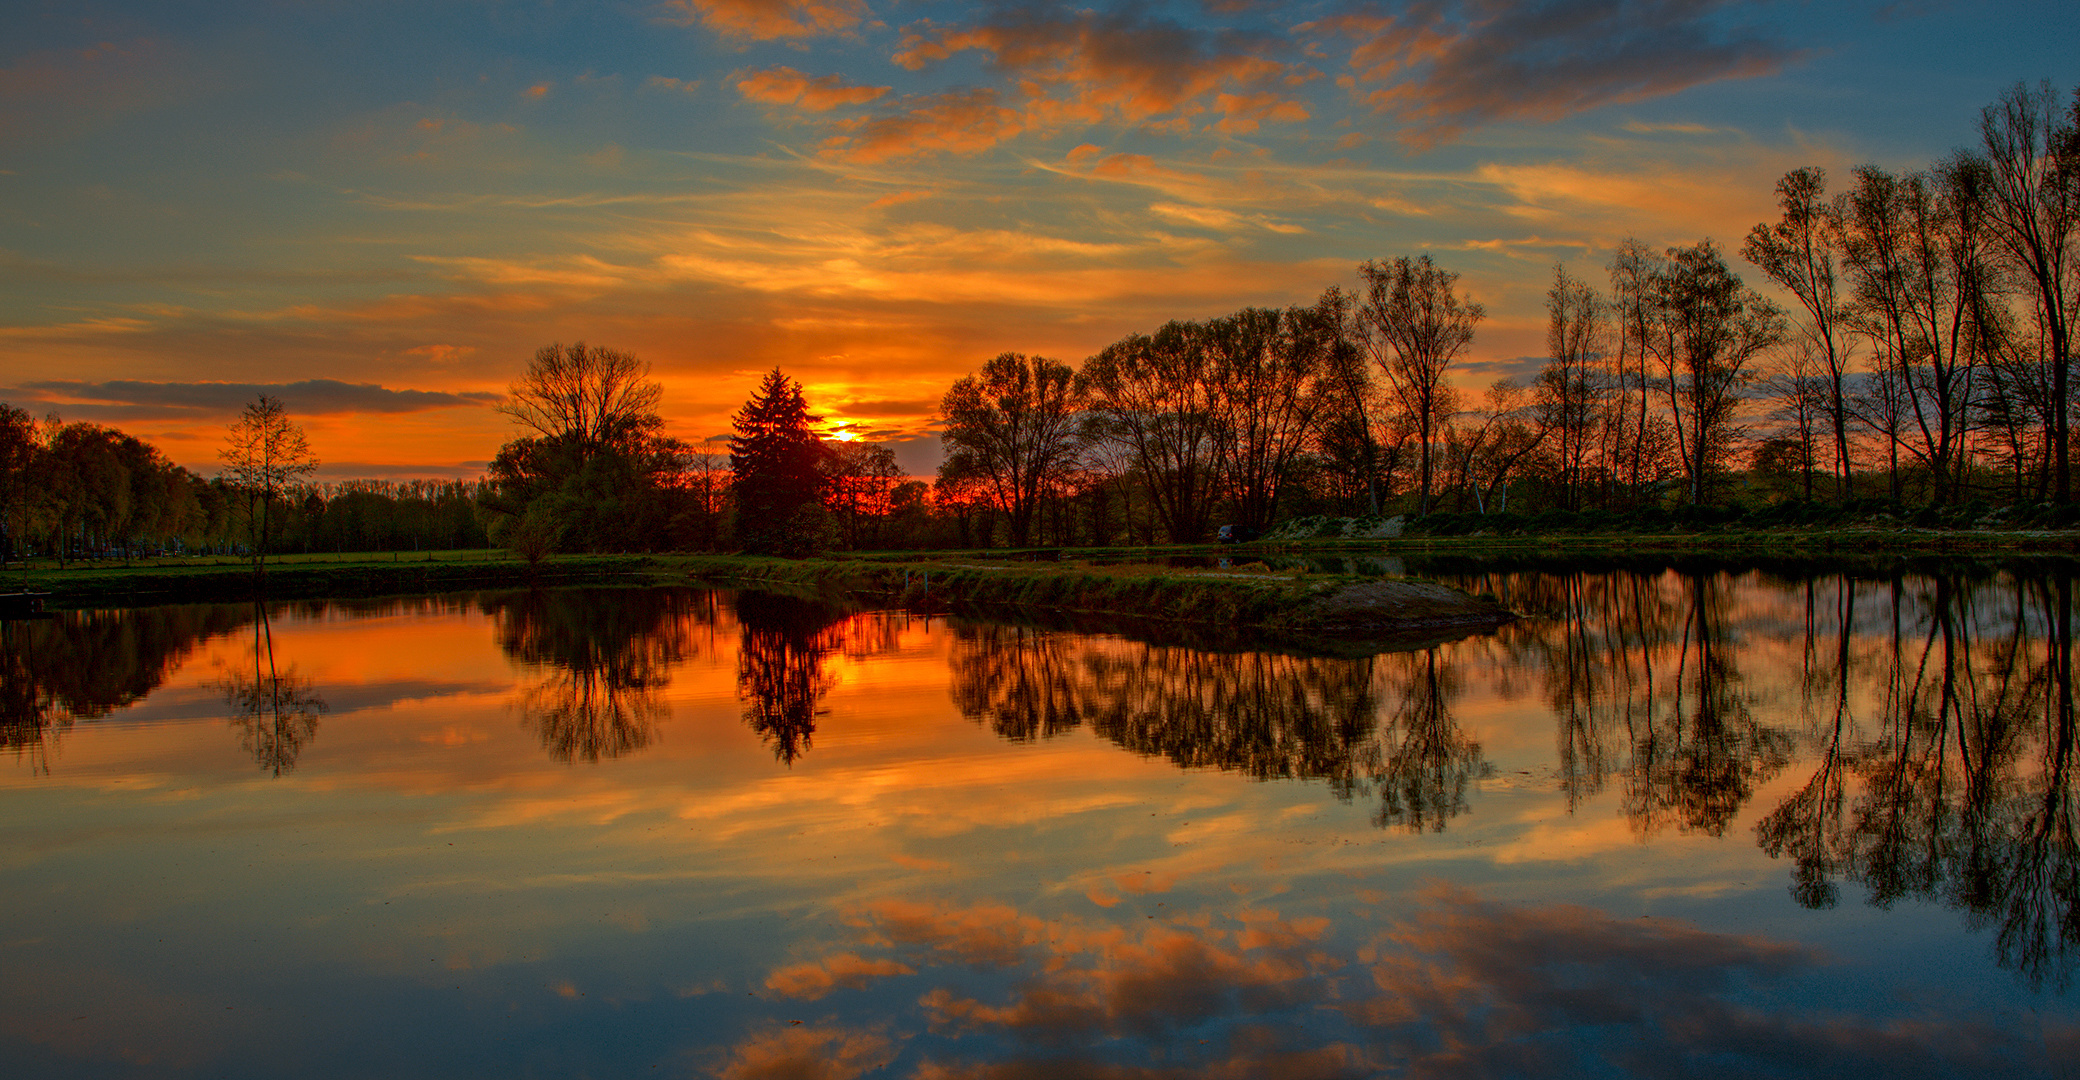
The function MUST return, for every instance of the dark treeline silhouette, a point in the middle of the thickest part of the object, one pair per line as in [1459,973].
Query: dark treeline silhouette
[603,656]
[1376,726]
[86,491]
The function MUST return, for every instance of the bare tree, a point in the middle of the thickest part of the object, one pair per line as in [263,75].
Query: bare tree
[1016,426]
[1917,257]
[1707,325]
[1270,370]
[1570,392]
[1414,323]
[2031,190]
[1156,393]
[1802,252]
[586,399]
[264,455]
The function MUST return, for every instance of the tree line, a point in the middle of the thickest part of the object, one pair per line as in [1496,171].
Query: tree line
[78,490]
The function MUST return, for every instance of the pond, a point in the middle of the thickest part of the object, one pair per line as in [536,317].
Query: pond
[1680,821]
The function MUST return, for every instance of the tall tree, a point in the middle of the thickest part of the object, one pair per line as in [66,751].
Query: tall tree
[1706,326]
[18,447]
[1016,426]
[1802,252]
[587,400]
[595,471]
[1271,368]
[1414,323]
[1571,389]
[2030,162]
[1157,395]
[775,464]
[264,456]
[1917,257]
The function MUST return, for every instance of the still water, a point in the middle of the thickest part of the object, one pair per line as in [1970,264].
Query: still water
[1679,822]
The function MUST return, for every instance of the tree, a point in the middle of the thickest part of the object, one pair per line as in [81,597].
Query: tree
[596,473]
[1705,326]
[591,400]
[1414,323]
[264,455]
[1802,252]
[1156,394]
[775,466]
[1570,391]
[18,446]
[1016,425]
[1272,369]
[2030,164]
[860,479]
[1917,257]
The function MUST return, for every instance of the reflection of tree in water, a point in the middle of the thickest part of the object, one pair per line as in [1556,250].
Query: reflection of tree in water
[1424,779]
[1266,715]
[604,654]
[275,711]
[81,665]
[780,675]
[1960,789]
[1642,673]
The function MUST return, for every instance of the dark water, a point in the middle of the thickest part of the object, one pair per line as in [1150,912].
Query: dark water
[1686,821]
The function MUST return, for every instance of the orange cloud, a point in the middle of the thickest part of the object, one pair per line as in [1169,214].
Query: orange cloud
[957,122]
[808,1053]
[811,981]
[765,20]
[786,86]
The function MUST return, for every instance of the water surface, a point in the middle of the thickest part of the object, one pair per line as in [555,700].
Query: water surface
[1679,822]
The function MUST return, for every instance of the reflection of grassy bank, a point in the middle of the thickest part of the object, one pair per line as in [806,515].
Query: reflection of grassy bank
[155,581]
[1248,594]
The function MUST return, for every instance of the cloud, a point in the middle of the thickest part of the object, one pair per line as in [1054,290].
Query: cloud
[956,122]
[1457,986]
[786,86]
[766,20]
[811,981]
[1089,67]
[1444,66]
[667,84]
[129,399]
[808,1053]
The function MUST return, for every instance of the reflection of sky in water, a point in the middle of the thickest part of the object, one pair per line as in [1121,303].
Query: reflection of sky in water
[551,836]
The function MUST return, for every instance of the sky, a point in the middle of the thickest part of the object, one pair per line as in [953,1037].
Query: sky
[378,211]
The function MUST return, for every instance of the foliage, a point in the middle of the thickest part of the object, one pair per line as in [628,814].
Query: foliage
[776,466]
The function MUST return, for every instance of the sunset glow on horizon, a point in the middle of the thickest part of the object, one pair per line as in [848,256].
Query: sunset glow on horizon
[379,212]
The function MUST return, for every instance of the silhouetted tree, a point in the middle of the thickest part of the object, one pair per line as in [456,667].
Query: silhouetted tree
[1413,323]
[1016,427]
[264,455]
[775,463]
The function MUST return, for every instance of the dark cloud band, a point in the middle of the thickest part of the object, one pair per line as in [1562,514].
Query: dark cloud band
[309,397]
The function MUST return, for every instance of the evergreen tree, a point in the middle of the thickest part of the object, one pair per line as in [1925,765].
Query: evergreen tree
[773,460]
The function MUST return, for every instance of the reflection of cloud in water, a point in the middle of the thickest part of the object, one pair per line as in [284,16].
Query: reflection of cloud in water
[1459,986]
